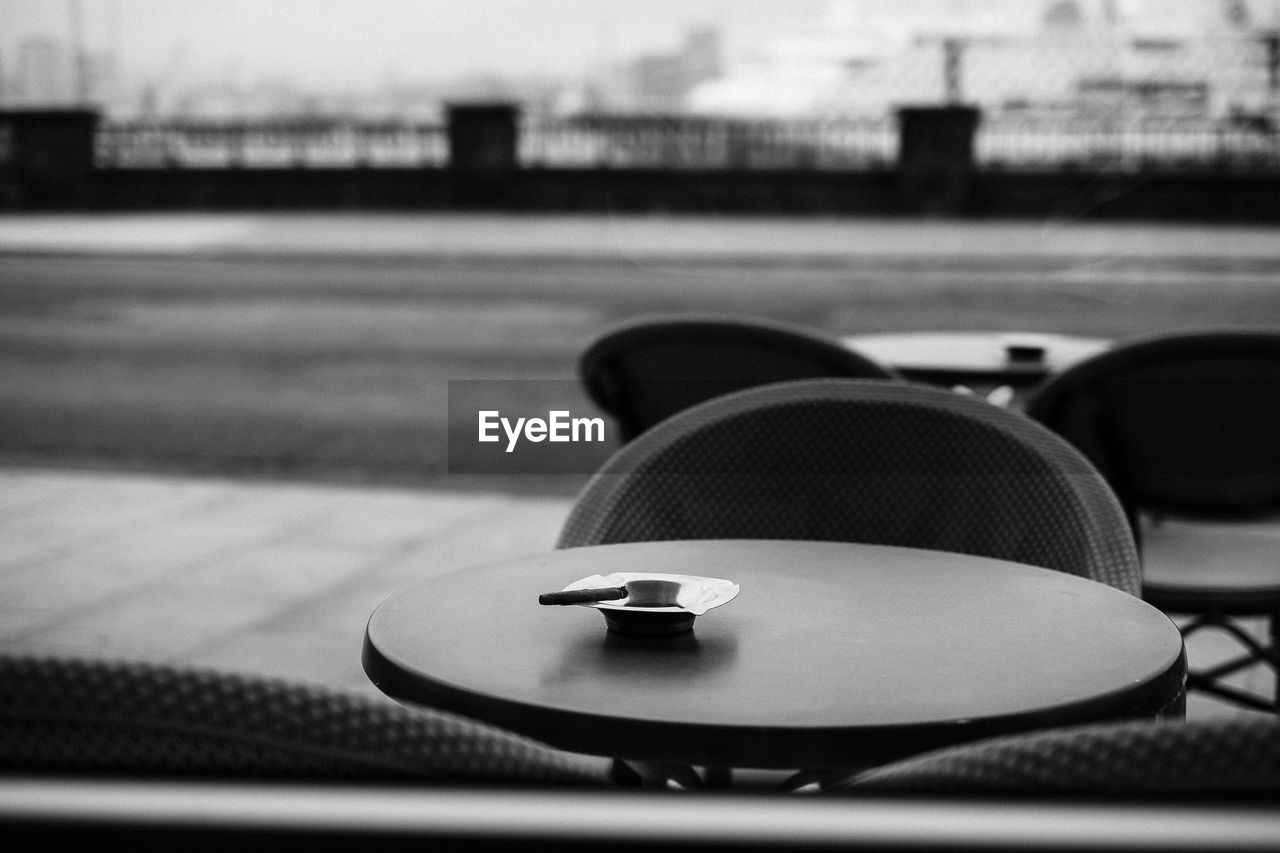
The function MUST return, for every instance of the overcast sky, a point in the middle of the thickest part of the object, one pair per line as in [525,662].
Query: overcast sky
[360,43]
[364,42]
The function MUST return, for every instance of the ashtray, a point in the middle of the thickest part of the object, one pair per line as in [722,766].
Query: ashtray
[655,604]
[1025,349]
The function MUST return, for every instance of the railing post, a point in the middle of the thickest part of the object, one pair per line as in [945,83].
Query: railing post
[936,157]
[483,141]
[46,157]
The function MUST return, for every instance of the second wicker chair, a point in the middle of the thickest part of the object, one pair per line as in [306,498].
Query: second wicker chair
[862,461]
[648,368]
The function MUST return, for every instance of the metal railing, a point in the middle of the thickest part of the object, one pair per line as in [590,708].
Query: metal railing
[649,142]
[1126,145]
[270,145]
[620,142]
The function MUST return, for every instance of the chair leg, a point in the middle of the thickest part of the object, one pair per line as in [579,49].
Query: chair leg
[1274,623]
[1209,680]
[815,781]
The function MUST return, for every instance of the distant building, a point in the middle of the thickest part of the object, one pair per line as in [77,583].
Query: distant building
[1174,58]
[660,82]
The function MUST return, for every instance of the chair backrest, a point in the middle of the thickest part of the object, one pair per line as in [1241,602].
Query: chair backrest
[1227,755]
[650,367]
[1181,424]
[861,461]
[71,715]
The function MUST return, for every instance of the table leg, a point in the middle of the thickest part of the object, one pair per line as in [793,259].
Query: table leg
[665,776]
[814,781]
[649,774]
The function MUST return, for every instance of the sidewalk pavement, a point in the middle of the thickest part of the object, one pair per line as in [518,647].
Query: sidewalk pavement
[276,578]
[631,237]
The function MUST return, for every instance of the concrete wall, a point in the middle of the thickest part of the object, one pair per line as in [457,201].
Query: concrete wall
[1206,197]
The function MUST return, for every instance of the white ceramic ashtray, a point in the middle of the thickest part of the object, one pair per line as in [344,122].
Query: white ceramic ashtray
[646,603]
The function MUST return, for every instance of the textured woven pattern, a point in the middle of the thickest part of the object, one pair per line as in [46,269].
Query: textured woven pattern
[650,367]
[1229,755]
[135,718]
[1185,424]
[861,461]
[1182,423]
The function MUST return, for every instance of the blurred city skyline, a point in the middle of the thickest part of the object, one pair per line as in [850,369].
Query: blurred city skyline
[337,43]
[399,58]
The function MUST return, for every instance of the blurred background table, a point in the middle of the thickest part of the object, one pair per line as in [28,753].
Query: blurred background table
[980,361]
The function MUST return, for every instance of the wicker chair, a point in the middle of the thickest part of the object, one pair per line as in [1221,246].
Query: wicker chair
[69,715]
[1221,756]
[861,461]
[650,367]
[1184,427]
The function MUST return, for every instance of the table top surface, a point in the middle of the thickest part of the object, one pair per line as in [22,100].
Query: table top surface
[996,353]
[832,654]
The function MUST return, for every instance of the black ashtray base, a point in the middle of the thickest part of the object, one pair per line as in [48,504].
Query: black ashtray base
[638,623]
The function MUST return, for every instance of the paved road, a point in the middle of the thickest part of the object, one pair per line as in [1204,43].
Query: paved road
[845,275]
[635,238]
[324,342]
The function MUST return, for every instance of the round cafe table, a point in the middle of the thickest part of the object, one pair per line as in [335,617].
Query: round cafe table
[832,655]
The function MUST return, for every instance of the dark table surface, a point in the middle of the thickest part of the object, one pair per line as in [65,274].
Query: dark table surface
[831,655]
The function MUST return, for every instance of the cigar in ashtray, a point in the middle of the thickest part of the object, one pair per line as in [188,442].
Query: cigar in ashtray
[637,592]
[580,596]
